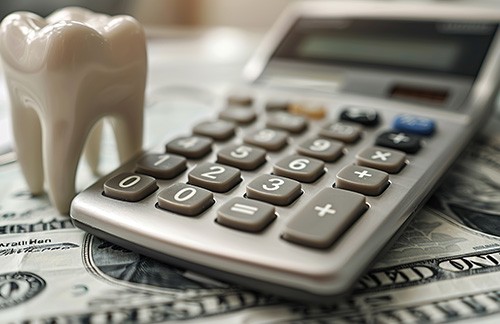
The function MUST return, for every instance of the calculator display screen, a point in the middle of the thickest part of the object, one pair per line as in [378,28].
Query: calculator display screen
[457,48]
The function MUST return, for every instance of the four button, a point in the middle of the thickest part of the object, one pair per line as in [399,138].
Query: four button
[192,147]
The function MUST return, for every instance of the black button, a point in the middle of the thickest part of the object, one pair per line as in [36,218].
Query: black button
[405,142]
[361,115]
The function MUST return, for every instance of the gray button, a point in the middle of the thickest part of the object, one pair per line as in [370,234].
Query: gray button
[382,158]
[192,147]
[325,218]
[161,166]
[240,115]
[130,186]
[362,179]
[269,139]
[300,168]
[347,133]
[215,177]
[245,214]
[285,121]
[327,150]
[274,189]
[243,157]
[220,130]
[239,100]
[184,199]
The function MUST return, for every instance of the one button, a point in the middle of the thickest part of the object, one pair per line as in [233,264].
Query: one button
[300,168]
[382,159]
[130,186]
[273,189]
[405,142]
[245,214]
[268,139]
[282,120]
[240,115]
[215,177]
[361,179]
[361,115]
[243,157]
[161,166]
[346,133]
[414,124]
[324,218]
[185,199]
[220,130]
[321,148]
[192,147]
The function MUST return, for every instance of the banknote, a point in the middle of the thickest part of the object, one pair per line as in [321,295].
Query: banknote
[445,267]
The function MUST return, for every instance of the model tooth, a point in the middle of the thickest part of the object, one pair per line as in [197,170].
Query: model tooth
[64,74]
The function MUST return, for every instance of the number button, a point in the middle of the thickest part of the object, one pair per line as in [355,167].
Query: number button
[361,179]
[243,157]
[215,177]
[219,130]
[185,199]
[245,214]
[282,120]
[274,189]
[324,218]
[321,148]
[161,166]
[346,133]
[268,139]
[240,115]
[130,186]
[299,168]
[192,147]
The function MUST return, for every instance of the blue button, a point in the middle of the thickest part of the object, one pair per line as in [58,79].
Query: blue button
[414,124]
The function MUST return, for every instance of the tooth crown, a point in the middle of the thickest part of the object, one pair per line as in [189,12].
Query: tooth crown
[64,74]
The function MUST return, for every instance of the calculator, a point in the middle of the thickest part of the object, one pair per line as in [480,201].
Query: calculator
[353,113]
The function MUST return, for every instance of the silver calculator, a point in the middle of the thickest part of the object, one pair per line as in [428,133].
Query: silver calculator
[355,111]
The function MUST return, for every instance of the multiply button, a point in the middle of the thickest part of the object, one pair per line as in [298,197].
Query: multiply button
[382,159]
[324,218]
[361,179]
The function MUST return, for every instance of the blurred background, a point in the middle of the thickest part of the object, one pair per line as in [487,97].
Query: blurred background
[258,14]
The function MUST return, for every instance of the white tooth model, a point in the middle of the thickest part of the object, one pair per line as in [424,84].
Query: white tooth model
[64,74]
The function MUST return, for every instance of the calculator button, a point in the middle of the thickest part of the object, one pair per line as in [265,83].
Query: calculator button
[240,115]
[361,179]
[340,131]
[321,148]
[268,139]
[238,100]
[300,168]
[277,105]
[324,218]
[243,157]
[192,147]
[381,158]
[287,122]
[361,115]
[130,186]
[273,189]
[405,142]
[414,124]
[161,166]
[184,199]
[313,111]
[245,214]
[215,177]
[220,130]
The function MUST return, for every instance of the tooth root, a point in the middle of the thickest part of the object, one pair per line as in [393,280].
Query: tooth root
[72,75]
[93,146]
[28,139]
